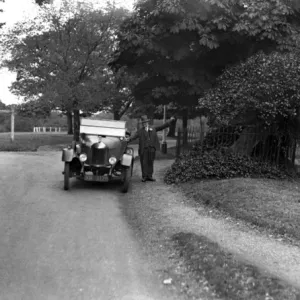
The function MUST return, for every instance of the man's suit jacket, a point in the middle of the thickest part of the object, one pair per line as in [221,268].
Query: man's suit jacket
[149,139]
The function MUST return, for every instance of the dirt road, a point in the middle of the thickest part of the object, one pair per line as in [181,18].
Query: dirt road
[66,245]
[279,259]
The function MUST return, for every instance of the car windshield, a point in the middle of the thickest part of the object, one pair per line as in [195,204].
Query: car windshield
[95,138]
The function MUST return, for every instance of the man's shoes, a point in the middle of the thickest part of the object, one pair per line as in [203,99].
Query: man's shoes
[151,179]
[148,179]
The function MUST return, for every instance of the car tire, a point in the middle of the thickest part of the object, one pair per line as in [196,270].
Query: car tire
[126,179]
[67,176]
[132,168]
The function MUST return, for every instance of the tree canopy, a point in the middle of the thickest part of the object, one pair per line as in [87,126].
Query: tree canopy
[62,60]
[33,109]
[41,2]
[264,88]
[182,46]
[1,11]
[2,105]
[64,63]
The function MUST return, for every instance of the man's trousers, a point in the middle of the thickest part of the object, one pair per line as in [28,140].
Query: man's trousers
[147,162]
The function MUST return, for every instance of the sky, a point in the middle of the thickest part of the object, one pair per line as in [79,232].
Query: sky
[17,10]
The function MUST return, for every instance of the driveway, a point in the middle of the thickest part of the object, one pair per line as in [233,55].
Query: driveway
[57,244]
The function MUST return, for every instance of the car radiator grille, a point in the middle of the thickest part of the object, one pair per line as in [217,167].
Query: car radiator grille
[98,156]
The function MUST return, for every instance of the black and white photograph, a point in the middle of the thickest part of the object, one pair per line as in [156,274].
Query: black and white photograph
[150,149]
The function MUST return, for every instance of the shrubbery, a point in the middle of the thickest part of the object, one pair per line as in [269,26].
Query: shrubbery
[26,124]
[217,165]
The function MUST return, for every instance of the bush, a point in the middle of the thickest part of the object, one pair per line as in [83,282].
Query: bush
[26,124]
[217,165]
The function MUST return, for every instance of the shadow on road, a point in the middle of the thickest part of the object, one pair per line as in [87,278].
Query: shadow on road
[114,185]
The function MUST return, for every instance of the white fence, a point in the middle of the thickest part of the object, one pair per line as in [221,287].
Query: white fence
[47,129]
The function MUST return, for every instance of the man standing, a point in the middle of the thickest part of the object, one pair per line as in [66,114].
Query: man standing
[148,144]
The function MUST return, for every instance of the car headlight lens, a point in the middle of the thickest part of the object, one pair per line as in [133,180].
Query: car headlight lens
[78,148]
[112,160]
[82,157]
[129,151]
[121,138]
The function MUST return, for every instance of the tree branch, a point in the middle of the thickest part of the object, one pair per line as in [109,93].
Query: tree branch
[127,105]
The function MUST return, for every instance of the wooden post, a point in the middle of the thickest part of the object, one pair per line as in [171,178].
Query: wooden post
[12,125]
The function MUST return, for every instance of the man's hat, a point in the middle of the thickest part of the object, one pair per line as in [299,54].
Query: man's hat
[144,119]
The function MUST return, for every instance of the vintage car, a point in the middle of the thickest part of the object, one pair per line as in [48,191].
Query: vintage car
[102,155]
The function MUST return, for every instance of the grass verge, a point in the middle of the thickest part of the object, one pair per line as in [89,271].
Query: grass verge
[32,141]
[228,277]
[269,204]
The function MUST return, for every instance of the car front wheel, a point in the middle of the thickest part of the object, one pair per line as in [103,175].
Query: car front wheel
[126,179]
[67,176]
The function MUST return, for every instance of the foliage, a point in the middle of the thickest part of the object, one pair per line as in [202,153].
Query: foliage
[61,64]
[2,105]
[266,86]
[22,124]
[117,95]
[35,109]
[1,11]
[41,2]
[182,46]
[219,165]
[61,56]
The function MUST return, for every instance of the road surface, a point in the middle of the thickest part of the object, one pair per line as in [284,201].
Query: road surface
[57,244]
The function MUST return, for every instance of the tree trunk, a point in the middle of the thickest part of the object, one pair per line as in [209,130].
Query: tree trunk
[116,115]
[172,129]
[70,122]
[125,109]
[76,125]
[184,126]
[150,114]
[247,141]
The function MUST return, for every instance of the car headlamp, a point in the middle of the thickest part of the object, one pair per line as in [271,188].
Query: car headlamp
[82,157]
[78,148]
[82,140]
[112,160]
[129,151]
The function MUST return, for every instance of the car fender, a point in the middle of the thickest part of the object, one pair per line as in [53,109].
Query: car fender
[126,160]
[67,154]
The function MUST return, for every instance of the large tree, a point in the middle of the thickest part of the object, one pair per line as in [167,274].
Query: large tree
[182,46]
[268,85]
[265,91]
[62,58]
[117,95]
